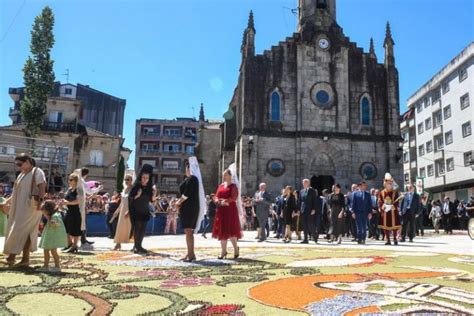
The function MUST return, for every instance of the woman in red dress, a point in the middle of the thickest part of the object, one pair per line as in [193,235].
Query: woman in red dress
[227,223]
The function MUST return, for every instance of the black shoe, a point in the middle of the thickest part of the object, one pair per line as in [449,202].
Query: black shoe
[142,251]
[354,239]
[223,256]
[73,249]
[315,241]
[403,240]
[363,242]
[395,243]
[388,243]
[359,242]
[66,248]
[304,242]
[87,242]
[411,240]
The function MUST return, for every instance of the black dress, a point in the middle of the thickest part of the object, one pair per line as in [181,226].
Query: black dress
[189,212]
[336,204]
[72,220]
[289,206]
[139,208]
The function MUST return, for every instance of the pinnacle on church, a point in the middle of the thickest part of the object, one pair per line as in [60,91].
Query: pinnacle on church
[251,25]
[388,36]
[201,113]
[372,49]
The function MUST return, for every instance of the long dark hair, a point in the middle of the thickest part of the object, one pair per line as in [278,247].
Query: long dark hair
[148,189]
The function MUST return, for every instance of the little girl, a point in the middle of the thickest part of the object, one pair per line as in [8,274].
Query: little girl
[3,217]
[54,236]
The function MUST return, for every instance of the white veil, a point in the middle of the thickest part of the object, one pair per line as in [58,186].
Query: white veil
[195,171]
[128,173]
[81,191]
[235,180]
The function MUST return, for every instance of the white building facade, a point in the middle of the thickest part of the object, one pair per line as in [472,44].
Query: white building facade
[443,140]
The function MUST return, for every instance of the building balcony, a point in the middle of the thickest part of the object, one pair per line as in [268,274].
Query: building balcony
[412,143]
[150,135]
[413,164]
[59,127]
[172,153]
[167,186]
[438,154]
[150,152]
[436,105]
[172,139]
[411,123]
[438,129]
[171,171]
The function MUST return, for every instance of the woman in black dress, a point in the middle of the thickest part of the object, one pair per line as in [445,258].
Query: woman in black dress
[141,195]
[188,205]
[289,213]
[337,203]
[72,220]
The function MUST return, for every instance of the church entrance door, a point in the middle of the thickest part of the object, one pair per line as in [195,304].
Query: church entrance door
[322,182]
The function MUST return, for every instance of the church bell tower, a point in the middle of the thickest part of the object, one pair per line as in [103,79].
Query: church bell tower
[314,11]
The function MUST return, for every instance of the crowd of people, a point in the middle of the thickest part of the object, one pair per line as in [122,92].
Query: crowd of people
[305,214]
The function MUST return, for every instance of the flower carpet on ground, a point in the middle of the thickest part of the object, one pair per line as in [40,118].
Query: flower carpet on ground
[263,281]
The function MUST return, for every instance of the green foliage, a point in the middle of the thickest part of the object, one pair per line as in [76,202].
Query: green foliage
[38,74]
[120,174]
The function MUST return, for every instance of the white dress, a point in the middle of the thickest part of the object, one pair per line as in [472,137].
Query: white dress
[124,225]
[24,218]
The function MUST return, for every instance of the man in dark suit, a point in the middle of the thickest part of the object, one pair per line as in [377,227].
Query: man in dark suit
[410,207]
[307,205]
[361,206]
[448,209]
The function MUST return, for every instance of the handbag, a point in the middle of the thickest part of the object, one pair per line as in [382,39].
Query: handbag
[341,214]
[33,198]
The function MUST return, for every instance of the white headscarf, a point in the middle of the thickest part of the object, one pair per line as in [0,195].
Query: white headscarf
[235,180]
[195,171]
[81,193]
[128,173]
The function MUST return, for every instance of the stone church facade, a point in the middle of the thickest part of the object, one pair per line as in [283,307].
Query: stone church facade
[314,106]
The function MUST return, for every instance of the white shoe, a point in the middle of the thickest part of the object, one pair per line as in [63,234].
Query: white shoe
[55,270]
[43,269]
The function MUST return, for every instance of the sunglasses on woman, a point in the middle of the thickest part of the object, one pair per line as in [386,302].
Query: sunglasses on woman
[19,163]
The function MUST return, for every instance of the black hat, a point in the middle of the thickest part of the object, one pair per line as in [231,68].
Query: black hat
[147,169]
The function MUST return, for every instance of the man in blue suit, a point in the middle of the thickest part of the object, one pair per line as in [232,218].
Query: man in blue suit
[361,205]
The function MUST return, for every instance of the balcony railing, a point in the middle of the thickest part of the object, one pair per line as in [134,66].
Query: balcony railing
[150,135]
[171,170]
[167,186]
[59,127]
[150,152]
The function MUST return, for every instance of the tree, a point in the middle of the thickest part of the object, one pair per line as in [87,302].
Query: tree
[120,174]
[38,74]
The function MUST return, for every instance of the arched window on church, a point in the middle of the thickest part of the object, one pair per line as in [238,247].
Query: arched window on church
[365,111]
[275,106]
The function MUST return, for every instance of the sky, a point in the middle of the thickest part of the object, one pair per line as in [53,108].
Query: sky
[166,57]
